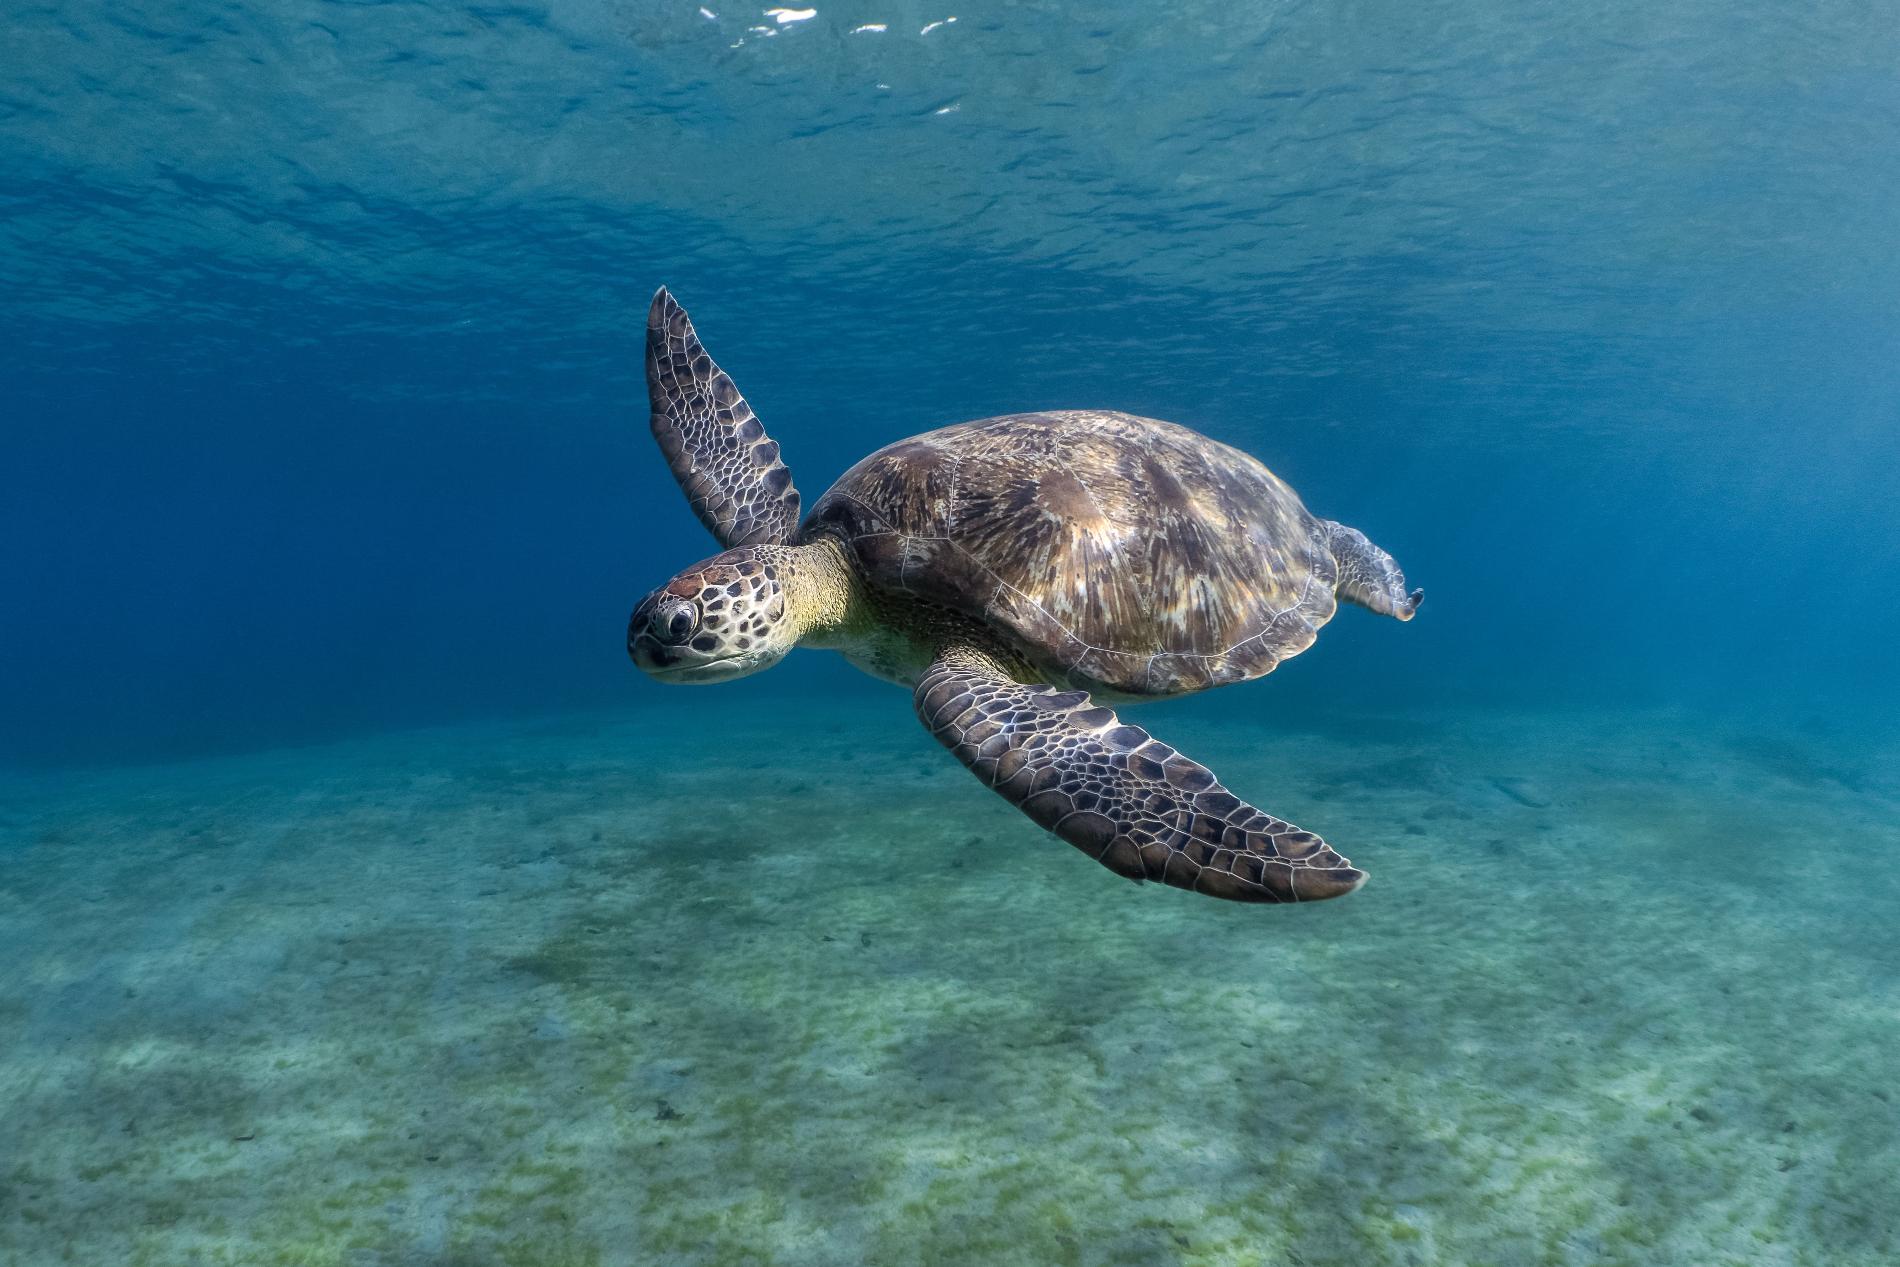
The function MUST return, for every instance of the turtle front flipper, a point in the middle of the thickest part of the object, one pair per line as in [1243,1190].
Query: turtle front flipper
[1130,802]
[719,452]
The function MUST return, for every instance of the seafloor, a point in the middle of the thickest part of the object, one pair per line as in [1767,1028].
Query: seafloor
[730,988]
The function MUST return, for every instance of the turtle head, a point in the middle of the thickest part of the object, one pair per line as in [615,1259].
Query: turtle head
[720,619]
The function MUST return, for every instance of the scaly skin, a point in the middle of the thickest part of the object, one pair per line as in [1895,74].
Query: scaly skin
[990,564]
[1125,799]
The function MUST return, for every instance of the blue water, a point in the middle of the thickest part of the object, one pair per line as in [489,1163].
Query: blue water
[321,337]
[322,417]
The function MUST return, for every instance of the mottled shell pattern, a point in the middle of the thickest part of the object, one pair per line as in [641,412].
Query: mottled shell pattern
[1123,554]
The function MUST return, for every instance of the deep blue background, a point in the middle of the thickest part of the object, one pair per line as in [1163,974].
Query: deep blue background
[320,405]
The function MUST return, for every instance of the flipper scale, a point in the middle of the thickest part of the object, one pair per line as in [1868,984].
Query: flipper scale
[728,467]
[1132,803]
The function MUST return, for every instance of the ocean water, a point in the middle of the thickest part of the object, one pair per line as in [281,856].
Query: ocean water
[360,904]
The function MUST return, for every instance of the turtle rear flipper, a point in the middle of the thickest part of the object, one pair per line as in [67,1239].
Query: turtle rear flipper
[729,468]
[1130,802]
[1368,575]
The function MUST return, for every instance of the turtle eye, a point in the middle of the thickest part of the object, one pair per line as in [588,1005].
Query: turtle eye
[681,622]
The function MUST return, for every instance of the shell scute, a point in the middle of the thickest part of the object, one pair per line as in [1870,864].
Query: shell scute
[1124,553]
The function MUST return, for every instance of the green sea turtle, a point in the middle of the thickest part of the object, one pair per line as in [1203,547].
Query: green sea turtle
[1007,570]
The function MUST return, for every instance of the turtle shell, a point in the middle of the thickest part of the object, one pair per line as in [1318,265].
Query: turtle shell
[1125,553]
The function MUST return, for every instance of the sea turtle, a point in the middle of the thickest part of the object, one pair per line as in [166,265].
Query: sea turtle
[1006,570]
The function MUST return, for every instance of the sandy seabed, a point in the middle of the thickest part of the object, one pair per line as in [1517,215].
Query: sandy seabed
[1624,988]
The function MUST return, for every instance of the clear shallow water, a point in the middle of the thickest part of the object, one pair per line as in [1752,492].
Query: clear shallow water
[321,420]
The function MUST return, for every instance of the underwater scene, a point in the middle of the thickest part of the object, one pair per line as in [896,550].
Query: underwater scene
[1381,746]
